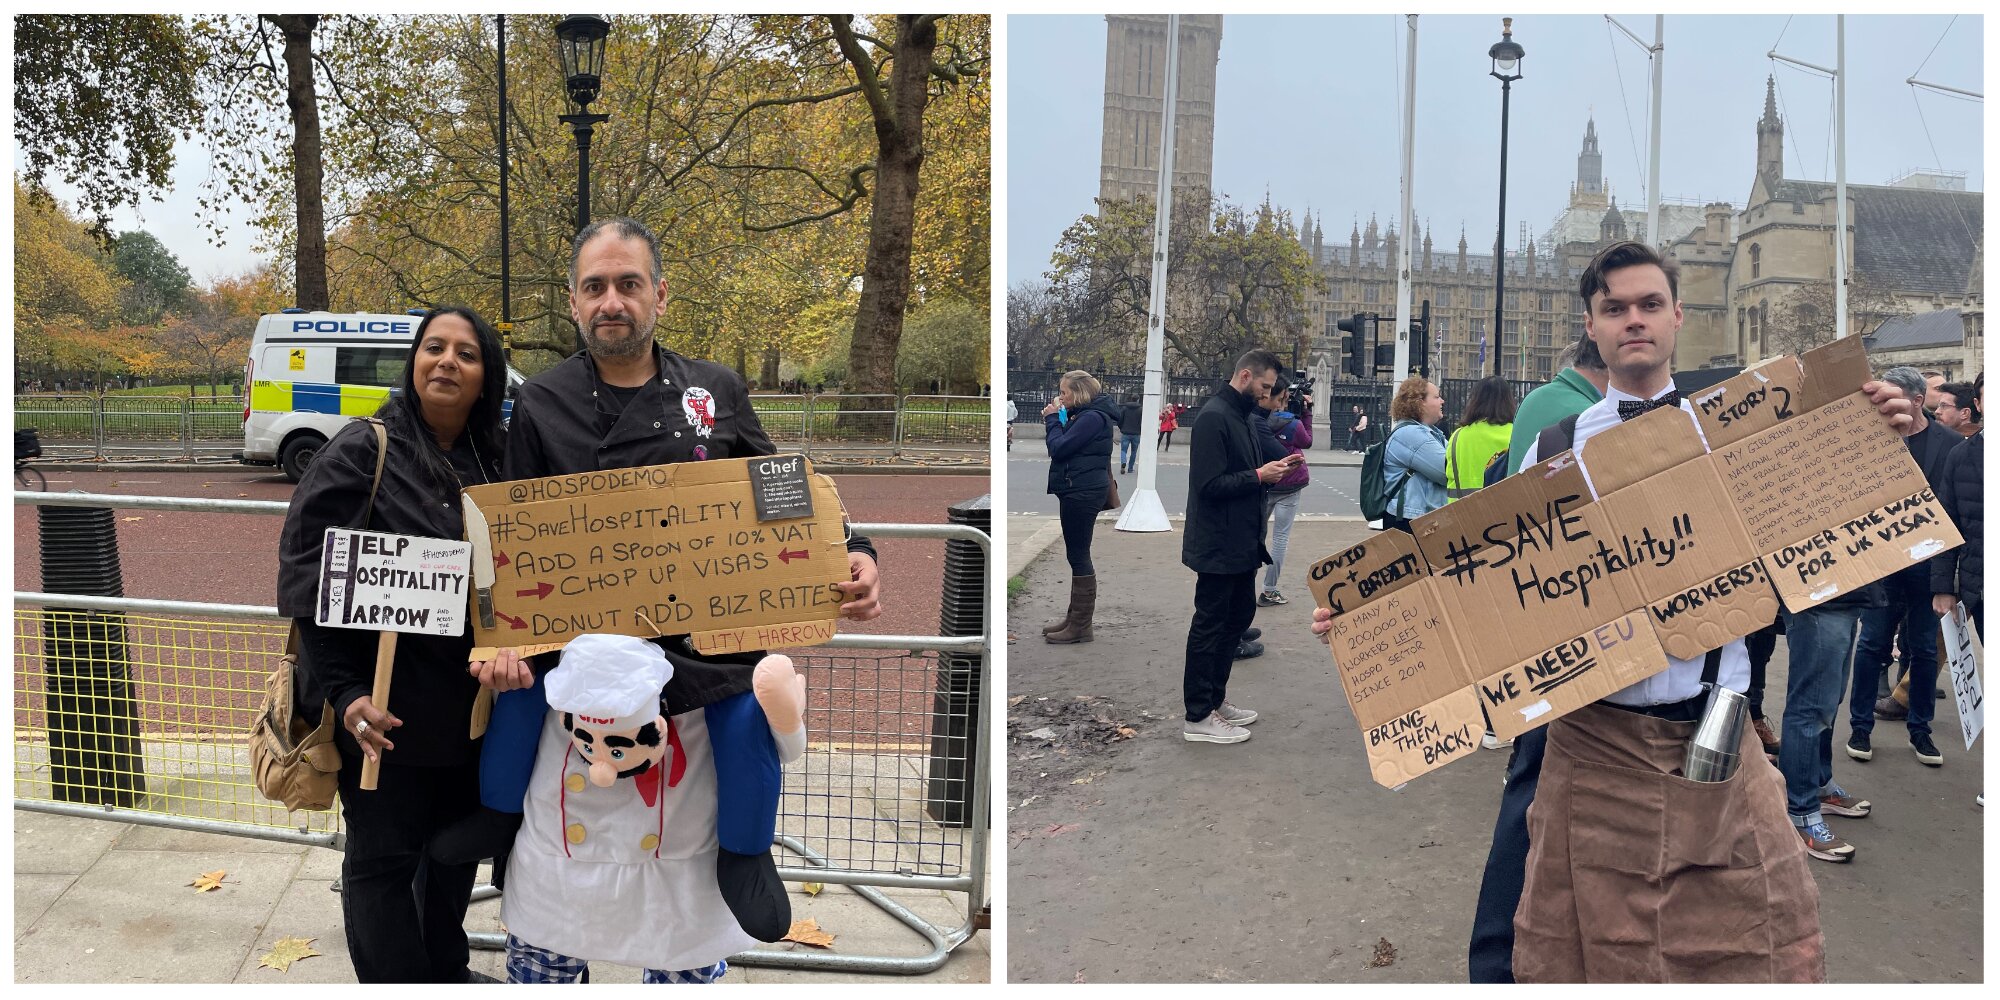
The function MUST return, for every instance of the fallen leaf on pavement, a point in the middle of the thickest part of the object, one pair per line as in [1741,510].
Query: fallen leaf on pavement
[1079,976]
[131,519]
[807,932]
[287,950]
[814,888]
[1385,954]
[208,880]
[242,494]
[1127,732]
[1016,700]
[1058,829]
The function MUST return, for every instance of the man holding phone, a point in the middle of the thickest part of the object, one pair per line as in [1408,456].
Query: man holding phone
[1223,543]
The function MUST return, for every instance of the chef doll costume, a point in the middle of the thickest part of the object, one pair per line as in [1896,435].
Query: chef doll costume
[621,872]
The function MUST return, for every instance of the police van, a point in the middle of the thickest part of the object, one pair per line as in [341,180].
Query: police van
[309,373]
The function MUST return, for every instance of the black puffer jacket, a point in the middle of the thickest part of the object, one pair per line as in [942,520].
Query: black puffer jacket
[1080,451]
[1962,570]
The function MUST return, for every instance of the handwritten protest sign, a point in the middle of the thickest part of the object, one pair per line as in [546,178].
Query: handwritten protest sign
[1665,536]
[1966,690]
[738,554]
[393,583]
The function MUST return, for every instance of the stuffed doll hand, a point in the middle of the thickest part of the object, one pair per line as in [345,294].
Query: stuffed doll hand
[782,692]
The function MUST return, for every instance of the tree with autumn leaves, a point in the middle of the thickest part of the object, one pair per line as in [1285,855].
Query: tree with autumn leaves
[103,306]
[786,162]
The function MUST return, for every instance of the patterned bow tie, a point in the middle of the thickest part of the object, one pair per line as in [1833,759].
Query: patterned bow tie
[1629,408]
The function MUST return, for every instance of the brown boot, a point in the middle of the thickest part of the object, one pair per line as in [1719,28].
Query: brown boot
[1063,623]
[1082,604]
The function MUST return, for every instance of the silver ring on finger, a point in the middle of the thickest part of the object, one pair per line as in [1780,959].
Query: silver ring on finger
[361,728]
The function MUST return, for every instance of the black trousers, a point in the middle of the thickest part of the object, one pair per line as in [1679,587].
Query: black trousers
[1491,956]
[1761,644]
[404,913]
[1078,512]
[1224,603]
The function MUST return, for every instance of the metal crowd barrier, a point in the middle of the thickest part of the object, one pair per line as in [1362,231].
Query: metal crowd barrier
[861,809]
[86,426]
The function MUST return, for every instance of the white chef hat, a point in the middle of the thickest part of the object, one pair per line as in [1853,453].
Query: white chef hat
[610,681]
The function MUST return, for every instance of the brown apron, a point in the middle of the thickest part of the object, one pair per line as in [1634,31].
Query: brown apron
[1636,874]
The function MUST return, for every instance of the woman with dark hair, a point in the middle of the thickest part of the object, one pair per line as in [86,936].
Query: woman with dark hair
[404,913]
[1482,433]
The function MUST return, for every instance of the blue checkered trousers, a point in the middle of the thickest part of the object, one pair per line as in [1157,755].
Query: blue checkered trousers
[529,964]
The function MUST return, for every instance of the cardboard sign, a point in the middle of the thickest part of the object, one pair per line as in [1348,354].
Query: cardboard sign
[1668,535]
[661,550]
[393,583]
[1966,690]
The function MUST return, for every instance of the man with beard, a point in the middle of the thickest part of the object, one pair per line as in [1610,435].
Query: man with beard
[626,402]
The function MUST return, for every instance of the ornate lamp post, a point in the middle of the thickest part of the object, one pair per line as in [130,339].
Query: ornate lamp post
[580,43]
[1506,55]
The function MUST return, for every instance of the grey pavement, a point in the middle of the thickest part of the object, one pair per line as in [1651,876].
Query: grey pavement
[99,901]
[1146,858]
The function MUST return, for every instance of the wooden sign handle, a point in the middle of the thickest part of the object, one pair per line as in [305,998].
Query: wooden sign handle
[385,656]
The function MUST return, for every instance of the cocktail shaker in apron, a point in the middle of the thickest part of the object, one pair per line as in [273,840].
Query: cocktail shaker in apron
[1715,749]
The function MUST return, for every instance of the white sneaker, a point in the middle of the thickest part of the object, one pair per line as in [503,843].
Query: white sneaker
[1492,742]
[1236,716]
[1213,730]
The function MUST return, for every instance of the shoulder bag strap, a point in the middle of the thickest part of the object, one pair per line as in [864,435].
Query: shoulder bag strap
[381,455]
[1711,667]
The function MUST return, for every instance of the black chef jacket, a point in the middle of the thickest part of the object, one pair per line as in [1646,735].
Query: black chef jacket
[568,420]
[432,694]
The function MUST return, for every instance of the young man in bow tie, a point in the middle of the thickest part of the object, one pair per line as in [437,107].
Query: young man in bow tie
[1631,873]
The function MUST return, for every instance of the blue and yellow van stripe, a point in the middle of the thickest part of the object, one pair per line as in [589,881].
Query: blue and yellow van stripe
[323,397]
[316,397]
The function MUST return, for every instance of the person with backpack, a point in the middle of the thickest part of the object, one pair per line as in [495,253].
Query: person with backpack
[1079,423]
[1412,459]
[1482,433]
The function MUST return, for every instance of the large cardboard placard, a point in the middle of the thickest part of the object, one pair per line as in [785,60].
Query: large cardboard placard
[380,582]
[1666,536]
[1403,673]
[664,550]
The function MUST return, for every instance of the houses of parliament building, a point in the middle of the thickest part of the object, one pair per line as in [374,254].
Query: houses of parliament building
[1916,241]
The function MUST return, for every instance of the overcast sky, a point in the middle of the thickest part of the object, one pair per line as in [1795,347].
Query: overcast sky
[1308,108]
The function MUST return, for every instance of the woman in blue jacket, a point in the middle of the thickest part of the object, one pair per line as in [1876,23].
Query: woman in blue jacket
[1079,422]
[1413,461]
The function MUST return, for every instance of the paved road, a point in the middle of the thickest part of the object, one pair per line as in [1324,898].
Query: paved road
[1332,491]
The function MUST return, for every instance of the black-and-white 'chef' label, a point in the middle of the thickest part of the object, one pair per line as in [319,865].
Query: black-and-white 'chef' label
[780,487]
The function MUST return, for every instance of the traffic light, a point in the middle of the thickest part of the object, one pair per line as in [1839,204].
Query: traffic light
[1420,341]
[1351,344]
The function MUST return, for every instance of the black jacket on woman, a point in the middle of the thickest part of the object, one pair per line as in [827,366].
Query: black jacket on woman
[1962,494]
[432,693]
[1080,451]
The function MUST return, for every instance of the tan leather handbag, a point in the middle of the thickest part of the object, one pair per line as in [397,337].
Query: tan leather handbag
[291,762]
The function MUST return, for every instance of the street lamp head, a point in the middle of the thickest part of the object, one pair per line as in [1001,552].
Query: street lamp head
[580,44]
[1506,53]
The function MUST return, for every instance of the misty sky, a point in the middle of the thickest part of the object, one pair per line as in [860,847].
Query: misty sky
[1307,107]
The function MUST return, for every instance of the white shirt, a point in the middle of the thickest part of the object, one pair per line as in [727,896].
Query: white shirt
[1682,678]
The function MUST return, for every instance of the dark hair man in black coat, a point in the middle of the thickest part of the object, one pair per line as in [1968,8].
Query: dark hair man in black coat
[1223,543]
